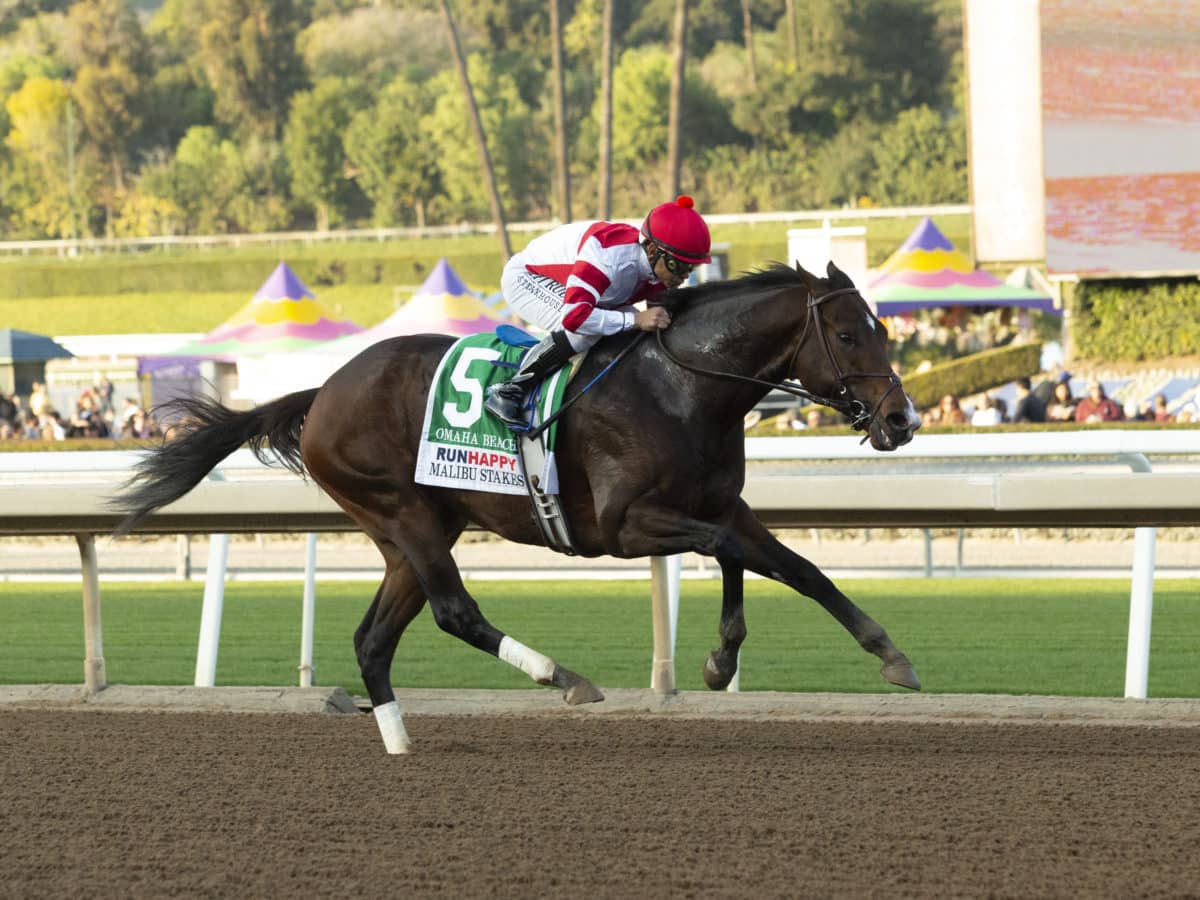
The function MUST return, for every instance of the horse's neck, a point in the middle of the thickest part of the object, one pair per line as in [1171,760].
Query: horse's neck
[753,337]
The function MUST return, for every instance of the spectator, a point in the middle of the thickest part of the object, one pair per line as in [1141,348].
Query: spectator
[50,426]
[7,433]
[1061,407]
[987,413]
[29,428]
[1097,406]
[38,400]
[102,388]
[799,418]
[1159,410]
[1029,407]
[131,406]
[950,412]
[142,426]
[8,409]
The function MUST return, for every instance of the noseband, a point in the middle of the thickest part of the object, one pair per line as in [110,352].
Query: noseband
[844,400]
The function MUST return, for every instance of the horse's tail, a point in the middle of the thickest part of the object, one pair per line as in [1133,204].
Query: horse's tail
[209,433]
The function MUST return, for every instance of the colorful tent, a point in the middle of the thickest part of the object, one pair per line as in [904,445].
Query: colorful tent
[927,271]
[441,305]
[283,316]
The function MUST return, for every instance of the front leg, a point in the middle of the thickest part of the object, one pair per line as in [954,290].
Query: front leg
[722,663]
[652,529]
[764,554]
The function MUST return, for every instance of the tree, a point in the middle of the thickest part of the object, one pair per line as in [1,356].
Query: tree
[315,152]
[53,177]
[606,114]
[247,50]
[103,40]
[516,145]
[709,22]
[675,127]
[641,133]
[869,58]
[920,159]
[748,34]
[374,44]
[561,155]
[219,186]
[14,12]
[472,110]
[395,166]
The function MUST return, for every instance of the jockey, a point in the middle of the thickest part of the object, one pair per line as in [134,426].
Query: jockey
[580,282]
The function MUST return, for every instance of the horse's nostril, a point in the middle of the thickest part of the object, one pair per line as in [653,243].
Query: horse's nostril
[897,421]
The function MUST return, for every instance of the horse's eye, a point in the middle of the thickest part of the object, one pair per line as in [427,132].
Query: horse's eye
[846,337]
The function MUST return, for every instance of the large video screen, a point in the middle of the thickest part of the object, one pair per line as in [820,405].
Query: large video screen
[1121,135]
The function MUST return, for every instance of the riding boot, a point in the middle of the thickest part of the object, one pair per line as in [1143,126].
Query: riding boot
[506,401]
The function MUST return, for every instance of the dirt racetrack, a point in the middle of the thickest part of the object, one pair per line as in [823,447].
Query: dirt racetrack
[102,803]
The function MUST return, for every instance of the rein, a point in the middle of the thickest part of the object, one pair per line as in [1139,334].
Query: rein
[534,433]
[845,403]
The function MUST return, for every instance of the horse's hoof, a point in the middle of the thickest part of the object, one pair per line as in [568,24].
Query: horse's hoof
[584,692]
[715,676]
[902,675]
[576,689]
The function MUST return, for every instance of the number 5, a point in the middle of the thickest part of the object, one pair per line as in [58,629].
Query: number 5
[471,386]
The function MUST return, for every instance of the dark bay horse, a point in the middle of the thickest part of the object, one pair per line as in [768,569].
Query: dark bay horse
[651,462]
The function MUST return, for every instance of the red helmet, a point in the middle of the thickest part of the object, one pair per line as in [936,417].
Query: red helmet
[679,230]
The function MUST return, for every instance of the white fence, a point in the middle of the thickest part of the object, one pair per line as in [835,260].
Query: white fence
[62,493]
[78,246]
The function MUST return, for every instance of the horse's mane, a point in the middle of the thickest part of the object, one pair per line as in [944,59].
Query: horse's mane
[775,277]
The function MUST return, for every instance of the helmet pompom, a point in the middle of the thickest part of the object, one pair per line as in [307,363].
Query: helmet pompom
[685,202]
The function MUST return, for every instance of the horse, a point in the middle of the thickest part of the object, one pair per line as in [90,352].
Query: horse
[651,463]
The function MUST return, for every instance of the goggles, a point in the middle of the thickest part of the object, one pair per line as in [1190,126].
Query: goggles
[677,266]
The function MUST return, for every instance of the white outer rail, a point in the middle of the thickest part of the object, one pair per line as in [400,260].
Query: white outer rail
[979,499]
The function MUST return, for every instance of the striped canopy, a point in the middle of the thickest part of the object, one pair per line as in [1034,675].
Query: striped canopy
[927,271]
[283,316]
[441,305]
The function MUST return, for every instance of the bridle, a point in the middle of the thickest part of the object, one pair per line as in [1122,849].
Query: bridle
[844,400]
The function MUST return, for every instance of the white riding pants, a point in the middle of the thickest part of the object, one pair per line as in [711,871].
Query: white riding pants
[539,301]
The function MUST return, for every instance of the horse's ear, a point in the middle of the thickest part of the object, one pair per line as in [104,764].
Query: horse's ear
[809,278]
[837,276]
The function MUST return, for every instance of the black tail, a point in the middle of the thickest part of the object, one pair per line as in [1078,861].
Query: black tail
[209,433]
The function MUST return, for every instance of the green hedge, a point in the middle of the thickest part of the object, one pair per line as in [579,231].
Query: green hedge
[476,258]
[1132,321]
[974,373]
[218,271]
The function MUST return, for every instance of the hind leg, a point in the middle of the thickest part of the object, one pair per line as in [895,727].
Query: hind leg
[415,537]
[396,603]
[457,613]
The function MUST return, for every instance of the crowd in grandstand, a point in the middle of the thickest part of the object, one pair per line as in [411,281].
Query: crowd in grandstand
[33,417]
[1051,400]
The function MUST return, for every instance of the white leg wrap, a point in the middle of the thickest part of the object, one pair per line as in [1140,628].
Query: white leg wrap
[538,667]
[391,726]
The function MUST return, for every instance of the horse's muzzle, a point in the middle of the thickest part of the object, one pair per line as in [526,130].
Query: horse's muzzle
[894,430]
